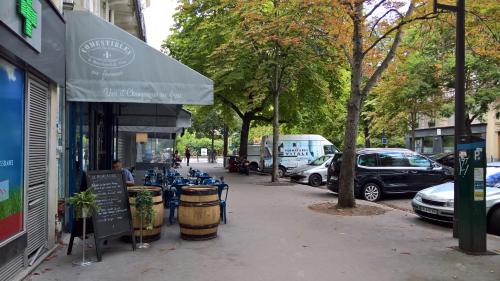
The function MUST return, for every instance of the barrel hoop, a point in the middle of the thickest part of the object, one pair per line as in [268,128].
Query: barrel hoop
[154,228]
[194,191]
[199,204]
[190,226]
[154,203]
[154,192]
[198,237]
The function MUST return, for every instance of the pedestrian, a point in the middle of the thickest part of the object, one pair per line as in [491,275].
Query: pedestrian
[118,166]
[187,153]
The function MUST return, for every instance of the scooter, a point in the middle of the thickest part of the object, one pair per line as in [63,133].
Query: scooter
[177,163]
[244,167]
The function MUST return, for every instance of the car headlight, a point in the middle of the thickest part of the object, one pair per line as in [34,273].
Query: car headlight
[449,204]
[418,197]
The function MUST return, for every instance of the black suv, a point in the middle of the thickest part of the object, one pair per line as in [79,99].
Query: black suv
[389,170]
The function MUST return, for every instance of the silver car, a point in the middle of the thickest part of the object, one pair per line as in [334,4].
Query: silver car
[313,173]
[436,202]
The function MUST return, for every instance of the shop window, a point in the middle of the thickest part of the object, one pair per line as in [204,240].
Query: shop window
[428,145]
[11,155]
[448,144]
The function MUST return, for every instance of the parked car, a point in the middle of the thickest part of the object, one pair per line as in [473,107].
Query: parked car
[436,203]
[445,158]
[389,170]
[313,173]
[493,164]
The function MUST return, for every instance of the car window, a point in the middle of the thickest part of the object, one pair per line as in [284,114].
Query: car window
[416,160]
[393,159]
[329,149]
[318,161]
[493,178]
[367,160]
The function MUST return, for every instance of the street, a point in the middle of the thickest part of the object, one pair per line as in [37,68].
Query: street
[271,234]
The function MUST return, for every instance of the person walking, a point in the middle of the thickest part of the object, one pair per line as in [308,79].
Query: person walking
[187,153]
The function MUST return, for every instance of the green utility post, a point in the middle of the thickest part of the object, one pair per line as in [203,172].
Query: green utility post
[472,204]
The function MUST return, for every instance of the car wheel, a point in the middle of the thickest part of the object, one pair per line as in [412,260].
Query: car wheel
[281,172]
[253,166]
[494,222]
[371,192]
[315,180]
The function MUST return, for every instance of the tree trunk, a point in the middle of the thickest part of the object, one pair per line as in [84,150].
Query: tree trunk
[212,154]
[366,129]
[468,126]
[413,133]
[226,143]
[276,136]
[245,127]
[346,181]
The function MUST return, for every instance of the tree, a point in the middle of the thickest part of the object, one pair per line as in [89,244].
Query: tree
[209,124]
[374,36]
[202,26]
[280,40]
[422,81]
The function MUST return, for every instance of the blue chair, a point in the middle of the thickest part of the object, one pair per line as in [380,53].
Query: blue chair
[222,190]
[210,181]
[174,202]
[176,189]
[147,181]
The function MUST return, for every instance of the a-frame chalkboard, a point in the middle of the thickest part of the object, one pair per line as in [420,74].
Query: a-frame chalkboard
[113,218]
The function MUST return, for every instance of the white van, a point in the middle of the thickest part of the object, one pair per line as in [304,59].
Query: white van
[294,151]
[253,156]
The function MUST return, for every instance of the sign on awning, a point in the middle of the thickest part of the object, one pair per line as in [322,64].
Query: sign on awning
[107,64]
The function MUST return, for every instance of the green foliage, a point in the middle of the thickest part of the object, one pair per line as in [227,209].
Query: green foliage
[144,207]
[84,200]
[196,144]
[247,46]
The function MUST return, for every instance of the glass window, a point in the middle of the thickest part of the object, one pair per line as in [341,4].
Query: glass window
[419,145]
[11,152]
[493,177]
[367,160]
[330,149]
[428,145]
[393,159]
[448,143]
[416,160]
[320,160]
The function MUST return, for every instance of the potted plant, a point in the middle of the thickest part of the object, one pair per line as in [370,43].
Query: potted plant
[84,203]
[144,211]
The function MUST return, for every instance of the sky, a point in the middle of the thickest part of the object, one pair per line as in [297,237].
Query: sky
[158,20]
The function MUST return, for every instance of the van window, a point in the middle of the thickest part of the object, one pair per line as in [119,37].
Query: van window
[393,159]
[367,160]
[329,149]
[416,160]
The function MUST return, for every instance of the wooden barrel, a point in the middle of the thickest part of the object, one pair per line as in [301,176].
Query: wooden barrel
[199,212]
[148,234]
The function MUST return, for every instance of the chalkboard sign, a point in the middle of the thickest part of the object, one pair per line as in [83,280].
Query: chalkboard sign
[113,218]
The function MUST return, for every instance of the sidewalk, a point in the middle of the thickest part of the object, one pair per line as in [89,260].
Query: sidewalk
[272,235]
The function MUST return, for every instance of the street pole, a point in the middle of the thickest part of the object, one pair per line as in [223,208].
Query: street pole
[459,102]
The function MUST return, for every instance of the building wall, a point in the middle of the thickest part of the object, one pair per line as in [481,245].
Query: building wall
[493,133]
[442,127]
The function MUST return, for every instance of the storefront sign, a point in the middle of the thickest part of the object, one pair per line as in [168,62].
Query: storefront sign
[11,150]
[107,64]
[24,17]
